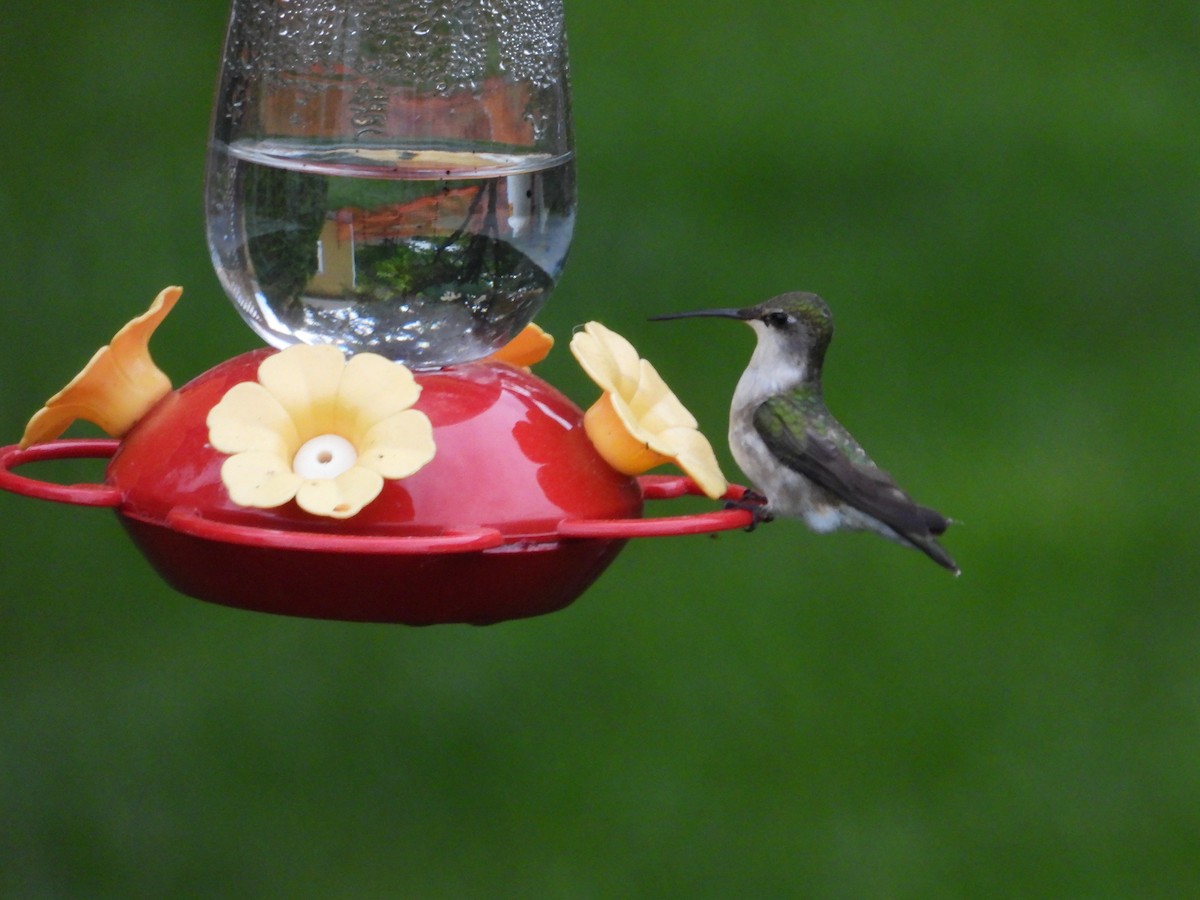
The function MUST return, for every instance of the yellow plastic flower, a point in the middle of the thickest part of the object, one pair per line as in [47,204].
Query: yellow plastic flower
[118,385]
[320,429]
[529,347]
[638,423]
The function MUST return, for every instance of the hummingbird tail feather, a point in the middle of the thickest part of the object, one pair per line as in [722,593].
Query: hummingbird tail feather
[933,550]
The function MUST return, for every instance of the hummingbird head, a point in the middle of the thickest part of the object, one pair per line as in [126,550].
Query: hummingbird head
[793,329]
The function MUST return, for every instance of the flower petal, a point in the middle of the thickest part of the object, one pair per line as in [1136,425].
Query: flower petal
[52,420]
[372,388]
[131,345]
[646,433]
[609,359]
[399,445]
[259,479]
[638,422]
[304,379]
[655,404]
[249,418]
[341,497]
[694,454]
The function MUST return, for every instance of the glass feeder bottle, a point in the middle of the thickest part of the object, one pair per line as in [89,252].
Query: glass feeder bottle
[394,176]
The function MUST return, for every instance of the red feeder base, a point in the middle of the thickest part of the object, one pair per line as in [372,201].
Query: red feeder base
[515,516]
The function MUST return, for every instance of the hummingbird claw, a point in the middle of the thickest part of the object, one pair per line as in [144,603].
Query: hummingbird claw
[754,503]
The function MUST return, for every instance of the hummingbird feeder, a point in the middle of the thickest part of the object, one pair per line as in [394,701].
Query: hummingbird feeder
[390,200]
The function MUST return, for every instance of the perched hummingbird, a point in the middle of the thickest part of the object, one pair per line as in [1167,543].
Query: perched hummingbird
[805,464]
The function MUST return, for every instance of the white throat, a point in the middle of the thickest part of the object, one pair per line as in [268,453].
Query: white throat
[773,369]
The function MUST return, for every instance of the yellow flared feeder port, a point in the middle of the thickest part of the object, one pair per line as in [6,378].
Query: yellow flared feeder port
[321,430]
[116,388]
[638,423]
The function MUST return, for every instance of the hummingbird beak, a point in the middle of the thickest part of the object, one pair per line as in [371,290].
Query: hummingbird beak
[742,314]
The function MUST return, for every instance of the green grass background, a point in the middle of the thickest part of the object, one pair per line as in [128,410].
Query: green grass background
[1001,202]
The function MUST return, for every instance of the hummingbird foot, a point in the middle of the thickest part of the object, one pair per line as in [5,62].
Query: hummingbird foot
[754,503]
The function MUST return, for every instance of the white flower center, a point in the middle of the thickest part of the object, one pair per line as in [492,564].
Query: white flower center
[325,456]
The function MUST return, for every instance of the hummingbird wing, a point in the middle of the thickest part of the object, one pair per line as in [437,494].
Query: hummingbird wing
[857,482]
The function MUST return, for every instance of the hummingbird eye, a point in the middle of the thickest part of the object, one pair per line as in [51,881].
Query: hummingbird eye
[777,319]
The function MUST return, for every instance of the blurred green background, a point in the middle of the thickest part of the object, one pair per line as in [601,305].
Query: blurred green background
[1001,204]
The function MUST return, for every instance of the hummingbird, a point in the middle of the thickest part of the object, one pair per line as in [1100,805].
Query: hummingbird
[801,460]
